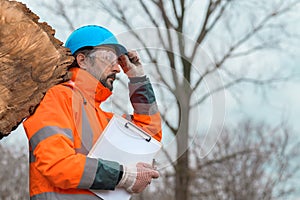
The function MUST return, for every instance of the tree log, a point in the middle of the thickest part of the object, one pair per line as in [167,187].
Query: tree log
[31,61]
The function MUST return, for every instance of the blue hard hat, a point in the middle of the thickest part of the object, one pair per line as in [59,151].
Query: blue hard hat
[93,35]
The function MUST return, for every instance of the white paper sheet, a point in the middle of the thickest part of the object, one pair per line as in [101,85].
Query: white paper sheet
[127,144]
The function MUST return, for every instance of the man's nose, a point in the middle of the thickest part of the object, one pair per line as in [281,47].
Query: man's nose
[116,68]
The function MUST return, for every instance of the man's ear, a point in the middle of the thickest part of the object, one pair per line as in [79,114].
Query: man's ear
[81,60]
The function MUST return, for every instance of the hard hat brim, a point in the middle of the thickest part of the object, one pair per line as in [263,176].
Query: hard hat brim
[120,49]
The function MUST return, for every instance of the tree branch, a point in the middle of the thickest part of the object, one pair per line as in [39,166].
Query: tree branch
[175,10]
[170,51]
[152,18]
[224,158]
[162,41]
[62,12]
[172,128]
[244,39]
[240,80]
[166,19]
[123,20]
[204,30]
[168,158]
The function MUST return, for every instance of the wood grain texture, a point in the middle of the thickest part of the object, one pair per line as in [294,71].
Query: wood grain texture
[31,61]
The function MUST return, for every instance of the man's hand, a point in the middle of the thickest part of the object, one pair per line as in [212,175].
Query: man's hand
[136,178]
[131,64]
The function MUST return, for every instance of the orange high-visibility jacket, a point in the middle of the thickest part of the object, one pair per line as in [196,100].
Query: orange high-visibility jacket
[65,126]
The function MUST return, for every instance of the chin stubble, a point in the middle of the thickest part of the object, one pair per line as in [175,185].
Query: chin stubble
[105,81]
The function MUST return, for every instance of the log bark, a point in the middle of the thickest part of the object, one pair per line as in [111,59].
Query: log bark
[31,61]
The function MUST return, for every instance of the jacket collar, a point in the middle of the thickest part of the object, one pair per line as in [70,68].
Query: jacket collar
[89,85]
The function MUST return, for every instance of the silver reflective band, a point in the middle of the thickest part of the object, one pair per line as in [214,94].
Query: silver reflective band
[48,131]
[44,133]
[87,133]
[57,196]
[89,173]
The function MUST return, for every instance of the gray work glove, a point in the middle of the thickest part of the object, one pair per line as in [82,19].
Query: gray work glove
[136,178]
[131,64]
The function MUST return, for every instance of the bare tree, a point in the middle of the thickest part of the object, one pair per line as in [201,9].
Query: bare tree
[251,160]
[230,31]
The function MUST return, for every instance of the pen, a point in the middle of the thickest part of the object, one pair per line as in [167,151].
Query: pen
[153,164]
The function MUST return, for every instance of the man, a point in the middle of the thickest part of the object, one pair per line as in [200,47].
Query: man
[69,120]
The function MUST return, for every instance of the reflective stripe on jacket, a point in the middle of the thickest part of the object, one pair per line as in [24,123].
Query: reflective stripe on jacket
[65,126]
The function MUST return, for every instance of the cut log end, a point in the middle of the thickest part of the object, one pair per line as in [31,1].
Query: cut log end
[32,60]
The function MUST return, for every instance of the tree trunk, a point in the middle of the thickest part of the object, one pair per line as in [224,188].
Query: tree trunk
[182,178]
[182,164]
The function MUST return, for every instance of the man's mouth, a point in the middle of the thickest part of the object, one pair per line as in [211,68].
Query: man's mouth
[112,77]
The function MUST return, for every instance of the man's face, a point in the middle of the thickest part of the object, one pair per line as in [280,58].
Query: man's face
[103,65]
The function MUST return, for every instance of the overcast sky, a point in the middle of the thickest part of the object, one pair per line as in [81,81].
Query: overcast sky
[278,104]
[281,103]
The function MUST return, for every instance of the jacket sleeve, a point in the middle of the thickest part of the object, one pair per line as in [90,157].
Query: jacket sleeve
[51,133]
[143,100]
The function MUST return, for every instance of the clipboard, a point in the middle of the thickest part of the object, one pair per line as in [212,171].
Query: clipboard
[123,142]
